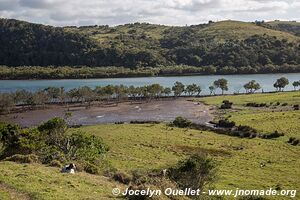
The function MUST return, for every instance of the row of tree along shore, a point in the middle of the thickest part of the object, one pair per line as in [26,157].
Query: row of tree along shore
[118,93]
[64,72]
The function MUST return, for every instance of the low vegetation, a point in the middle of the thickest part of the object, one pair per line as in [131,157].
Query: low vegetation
[48,144]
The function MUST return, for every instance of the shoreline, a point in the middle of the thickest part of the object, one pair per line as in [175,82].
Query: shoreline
[155,76]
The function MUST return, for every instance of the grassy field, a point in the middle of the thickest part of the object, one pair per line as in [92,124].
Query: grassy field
[239,100]
[35,181]
[148,147]
[266,119]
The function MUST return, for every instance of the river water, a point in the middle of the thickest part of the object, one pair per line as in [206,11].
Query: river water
[236,82]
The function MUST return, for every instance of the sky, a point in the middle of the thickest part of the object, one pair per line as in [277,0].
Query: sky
[168,12]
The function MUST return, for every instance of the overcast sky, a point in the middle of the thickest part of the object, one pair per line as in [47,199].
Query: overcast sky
[170,12]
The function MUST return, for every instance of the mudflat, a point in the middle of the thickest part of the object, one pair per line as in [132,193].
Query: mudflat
[155,110]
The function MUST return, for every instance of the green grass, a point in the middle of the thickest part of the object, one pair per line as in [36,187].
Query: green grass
[225,30]
[265,120]
[147,147]
[36,181]
[283,97]
[286,122]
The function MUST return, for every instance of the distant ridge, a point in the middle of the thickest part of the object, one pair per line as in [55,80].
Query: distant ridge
[221,44]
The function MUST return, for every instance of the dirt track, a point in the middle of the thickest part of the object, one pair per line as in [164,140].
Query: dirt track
[156,110]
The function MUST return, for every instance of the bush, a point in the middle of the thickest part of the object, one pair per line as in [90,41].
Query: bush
[194,172]
[296,107]
[50,142]
[284,104]
[31,158]
[252,104]
[226,124]
[275,134]
[91,168]
[226,105]
[182,122]
[293,141]
[122,177]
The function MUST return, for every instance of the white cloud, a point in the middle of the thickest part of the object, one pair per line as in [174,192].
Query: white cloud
[172,12]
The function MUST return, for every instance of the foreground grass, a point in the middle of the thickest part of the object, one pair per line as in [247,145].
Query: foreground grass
[156,146]
[149,147]
[35,181]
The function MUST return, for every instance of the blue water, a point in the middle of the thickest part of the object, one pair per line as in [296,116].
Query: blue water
[236,82]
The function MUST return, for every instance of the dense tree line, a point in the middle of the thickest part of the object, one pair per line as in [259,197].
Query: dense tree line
[83,72]
[118,93]
[26,44]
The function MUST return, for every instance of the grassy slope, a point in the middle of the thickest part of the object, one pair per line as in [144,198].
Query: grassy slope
[144,147]
[148,147]
[49,183]
[220,31]
[241,30]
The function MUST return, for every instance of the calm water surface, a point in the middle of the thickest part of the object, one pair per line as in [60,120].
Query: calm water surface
[236,82]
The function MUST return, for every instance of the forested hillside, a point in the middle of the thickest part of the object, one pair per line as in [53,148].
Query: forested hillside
[230,46]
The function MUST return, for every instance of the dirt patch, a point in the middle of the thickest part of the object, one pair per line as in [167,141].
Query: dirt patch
[156,110]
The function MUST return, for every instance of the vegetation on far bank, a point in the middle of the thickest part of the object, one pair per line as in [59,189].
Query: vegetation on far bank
[226,47]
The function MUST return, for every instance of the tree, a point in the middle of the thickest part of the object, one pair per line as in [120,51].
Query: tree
[53,92]
[86,94]
[23,97]
[191,89]
[296,84]
[281,83]
[40,98]
[252,86]
[222,84]
[6,102]
[212,89]
[167,91]
[178,89]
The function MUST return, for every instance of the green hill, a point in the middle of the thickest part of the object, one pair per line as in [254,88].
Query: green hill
[287,26]
[221,44]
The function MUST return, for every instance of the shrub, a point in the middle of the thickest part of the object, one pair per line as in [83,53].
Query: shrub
[122,177]
[194,172]
[31,158]
[226,105]
[275,134]
[296,107]
[50,142]
[284,104]
[294,141]
[252,104]
[182,122]
[91,168]
[226,124]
